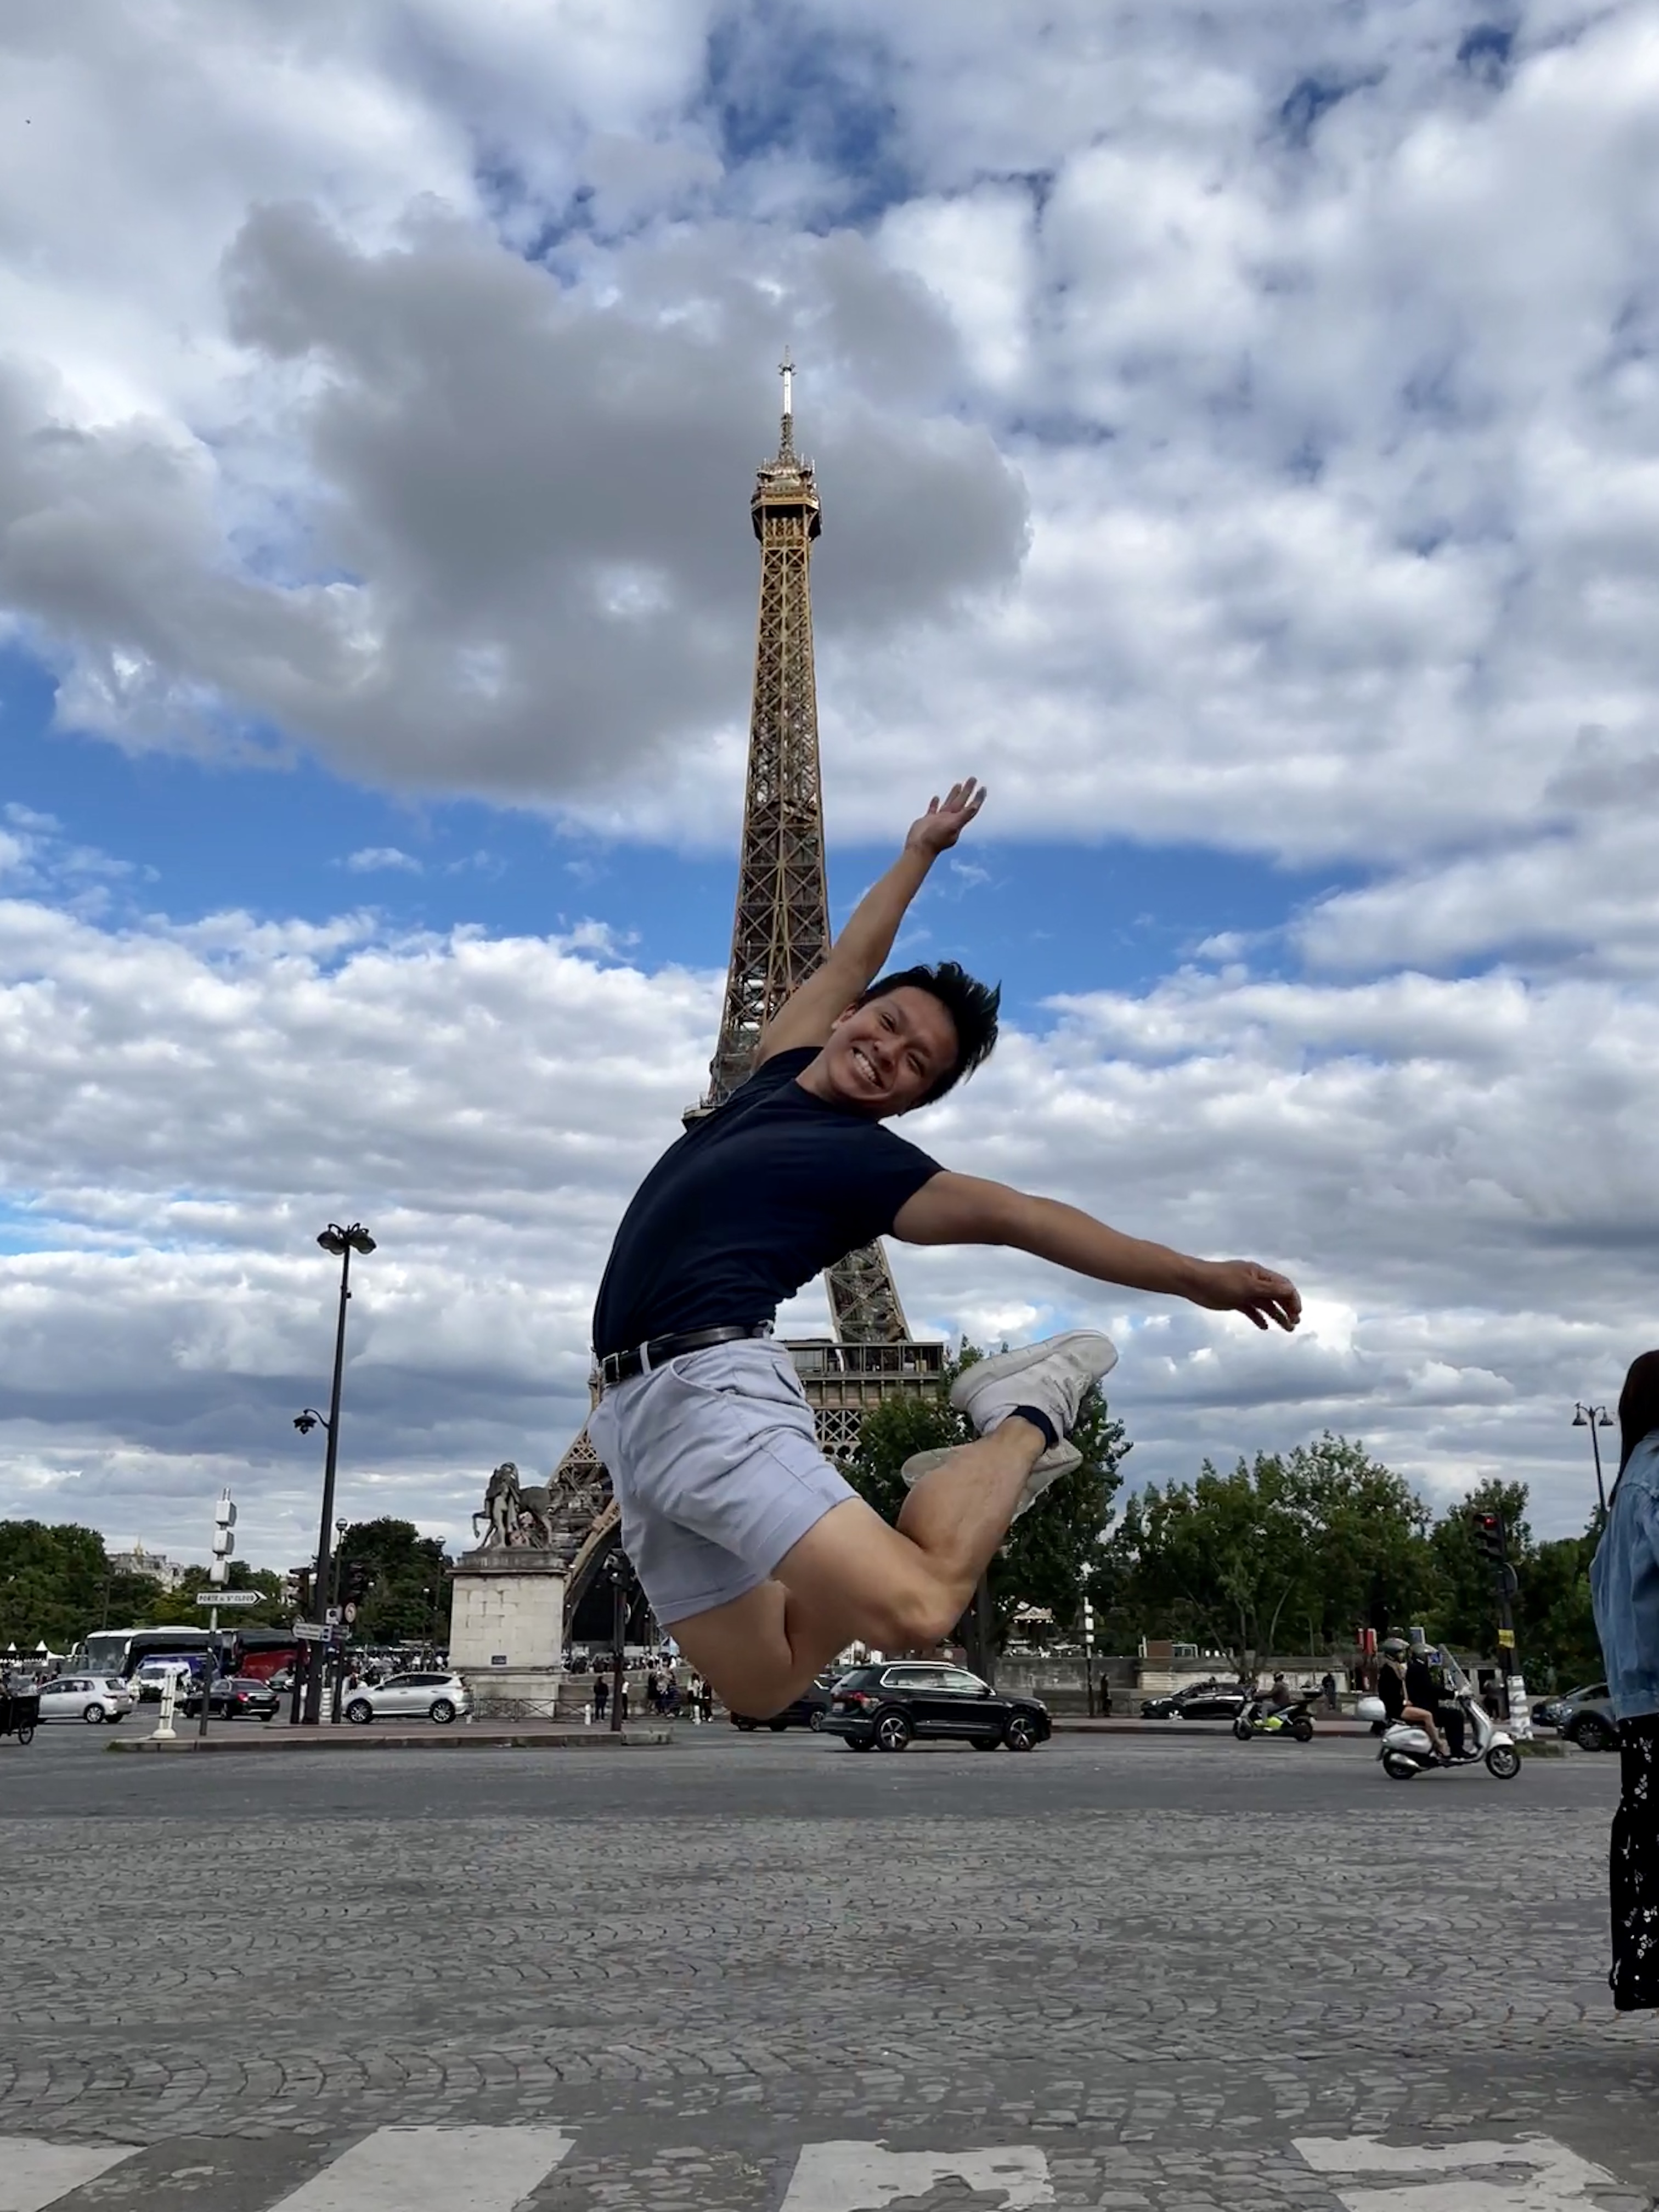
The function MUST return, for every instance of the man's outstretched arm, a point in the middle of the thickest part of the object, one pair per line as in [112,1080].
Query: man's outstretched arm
[855,960]
[956,1209]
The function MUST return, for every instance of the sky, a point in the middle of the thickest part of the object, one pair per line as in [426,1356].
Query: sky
[1238,436]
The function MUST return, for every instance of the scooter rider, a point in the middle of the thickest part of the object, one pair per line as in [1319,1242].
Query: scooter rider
[1426,1691]
[1391,1687]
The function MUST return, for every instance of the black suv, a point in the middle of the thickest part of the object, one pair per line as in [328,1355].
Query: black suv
[881,1708]
[806,1711]
[1199,1701]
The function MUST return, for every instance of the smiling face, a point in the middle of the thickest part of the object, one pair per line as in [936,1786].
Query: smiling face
[884,1057]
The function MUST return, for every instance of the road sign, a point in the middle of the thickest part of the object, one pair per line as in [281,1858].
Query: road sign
[313,1631]
[1506,1639]
[332,1616]
[349,1613]
[228,1597]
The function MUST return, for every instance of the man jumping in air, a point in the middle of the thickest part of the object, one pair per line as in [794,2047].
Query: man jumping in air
[751,1548]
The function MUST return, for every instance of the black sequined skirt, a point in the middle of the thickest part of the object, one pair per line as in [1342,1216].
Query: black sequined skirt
[1635,1869]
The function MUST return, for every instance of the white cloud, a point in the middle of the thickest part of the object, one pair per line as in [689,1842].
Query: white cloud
[374,860]
[1322,345]
[1460,1173]
[1236,429]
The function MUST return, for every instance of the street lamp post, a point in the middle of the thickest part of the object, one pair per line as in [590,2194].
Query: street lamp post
[1593,1417]
[342,1243]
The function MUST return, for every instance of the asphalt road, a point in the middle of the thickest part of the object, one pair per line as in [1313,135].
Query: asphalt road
[756,1974]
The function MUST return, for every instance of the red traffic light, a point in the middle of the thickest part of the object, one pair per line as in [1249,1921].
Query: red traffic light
[1491,1536]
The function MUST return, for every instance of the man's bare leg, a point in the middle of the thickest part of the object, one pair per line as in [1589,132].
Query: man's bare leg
[852,1578]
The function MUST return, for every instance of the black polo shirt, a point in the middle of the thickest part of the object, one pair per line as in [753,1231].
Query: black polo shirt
[751,1203]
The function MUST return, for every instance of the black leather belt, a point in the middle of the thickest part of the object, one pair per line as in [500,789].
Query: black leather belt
[622,1366]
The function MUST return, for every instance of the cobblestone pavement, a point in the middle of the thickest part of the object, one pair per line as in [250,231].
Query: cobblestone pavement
[754,1975]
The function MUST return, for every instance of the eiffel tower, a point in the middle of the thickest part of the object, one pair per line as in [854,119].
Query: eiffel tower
[780,934]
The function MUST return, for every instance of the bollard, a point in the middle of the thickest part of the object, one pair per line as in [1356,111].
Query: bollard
[588,1714]
[164,1731]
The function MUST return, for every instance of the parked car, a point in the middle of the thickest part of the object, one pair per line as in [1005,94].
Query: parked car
[883,1707]
[805,1711]
[1590,1724]
[234,1698]
[94,1698]
[1552,1712]
[440,1698]
[1199,1701]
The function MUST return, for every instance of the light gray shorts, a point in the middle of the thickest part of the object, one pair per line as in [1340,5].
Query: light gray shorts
[716,1467]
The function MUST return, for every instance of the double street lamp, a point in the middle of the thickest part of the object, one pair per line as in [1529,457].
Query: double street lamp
[342,1242]
[1593,1417]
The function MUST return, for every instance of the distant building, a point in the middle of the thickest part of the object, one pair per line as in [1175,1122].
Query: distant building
[155,1566]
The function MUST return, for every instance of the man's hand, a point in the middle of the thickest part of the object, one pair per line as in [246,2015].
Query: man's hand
[938,829]
[1241,1287]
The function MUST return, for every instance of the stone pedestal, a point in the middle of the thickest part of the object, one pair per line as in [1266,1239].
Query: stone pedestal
[506,1631]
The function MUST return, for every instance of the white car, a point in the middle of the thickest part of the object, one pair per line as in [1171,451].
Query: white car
[151,1677]
[440,1698]
[92,1697]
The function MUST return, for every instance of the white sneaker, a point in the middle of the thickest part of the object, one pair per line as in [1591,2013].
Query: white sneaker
[1053,1376]
[1049,1468]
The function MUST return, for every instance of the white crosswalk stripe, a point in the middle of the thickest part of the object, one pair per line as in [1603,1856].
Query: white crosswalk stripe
[1555,2180]
[496,2169]
[433,2170]
[33,2173]
[862,2177]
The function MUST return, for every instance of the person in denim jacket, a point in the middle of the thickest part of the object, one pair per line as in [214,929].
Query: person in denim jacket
[1624,1583]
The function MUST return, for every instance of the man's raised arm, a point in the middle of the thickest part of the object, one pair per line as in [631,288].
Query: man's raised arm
[857,956]
[956,1209]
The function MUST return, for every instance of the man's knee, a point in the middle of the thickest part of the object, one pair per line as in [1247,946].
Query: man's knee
[911,1615]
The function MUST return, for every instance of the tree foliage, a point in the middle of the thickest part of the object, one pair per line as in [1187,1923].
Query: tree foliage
[51,1582]
[408,1597]
[1301,1551]
[1050,1552]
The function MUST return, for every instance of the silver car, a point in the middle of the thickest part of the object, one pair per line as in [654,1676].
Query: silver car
[93,1699]
[440,1698]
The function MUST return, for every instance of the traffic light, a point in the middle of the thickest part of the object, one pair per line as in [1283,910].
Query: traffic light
[1490,1538]
[296,1591]
[224,1540]
[356,1580]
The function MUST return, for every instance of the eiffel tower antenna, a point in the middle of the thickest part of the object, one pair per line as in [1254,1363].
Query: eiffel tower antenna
[780,930]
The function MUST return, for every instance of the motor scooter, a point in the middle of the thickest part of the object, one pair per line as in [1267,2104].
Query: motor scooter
[1260,1718]
[1406,1751]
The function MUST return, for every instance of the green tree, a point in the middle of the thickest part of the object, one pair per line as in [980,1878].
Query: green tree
[1366,1533]
[1051,1552]
[1555,1621]
[1222,1561]
[407,1601]
[1466,1605]
[51,1583]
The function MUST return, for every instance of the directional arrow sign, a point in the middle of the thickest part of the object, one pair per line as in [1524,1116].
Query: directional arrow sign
[228,1597]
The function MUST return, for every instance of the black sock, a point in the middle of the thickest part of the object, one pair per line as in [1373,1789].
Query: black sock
[1039,1420]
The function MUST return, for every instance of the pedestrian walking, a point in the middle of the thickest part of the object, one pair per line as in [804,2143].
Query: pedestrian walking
[753,1549]
[1625,1586]
[1327,1689]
